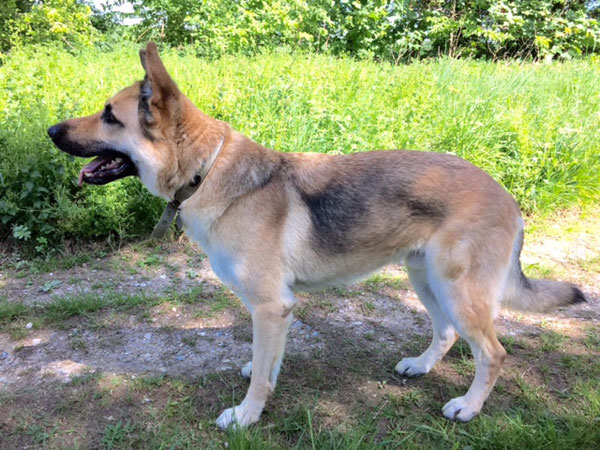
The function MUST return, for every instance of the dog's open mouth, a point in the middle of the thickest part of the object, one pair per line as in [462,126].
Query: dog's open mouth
[109,166]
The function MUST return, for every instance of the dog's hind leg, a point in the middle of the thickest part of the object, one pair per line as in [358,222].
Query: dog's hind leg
[489,356]
[468,295]
[270,323]
[444,334]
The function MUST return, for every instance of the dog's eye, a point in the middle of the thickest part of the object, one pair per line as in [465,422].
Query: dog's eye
[109,118]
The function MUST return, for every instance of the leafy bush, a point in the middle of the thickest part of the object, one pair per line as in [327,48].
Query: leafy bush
[8,10]
[533,127]
[514,28]
[394,30]
[66,22]
[216,27]
[391,30]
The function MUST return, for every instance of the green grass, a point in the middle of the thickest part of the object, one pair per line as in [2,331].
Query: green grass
[53,262]
[116,436]
[546,398]
[10,311]
[66,307]
[592,339]
[382,279]
[180,413]
[551,341]
[63,308]
[533,127]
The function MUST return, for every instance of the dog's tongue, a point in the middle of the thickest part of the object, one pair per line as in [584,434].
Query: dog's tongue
[90,167]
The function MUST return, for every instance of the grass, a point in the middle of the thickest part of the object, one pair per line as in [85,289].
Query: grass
[382,279]
[340,398]
[63,308]
[533,127]
[109,411]
[116,436]
[551,341]
[66,307]
[592,339]
[10,311]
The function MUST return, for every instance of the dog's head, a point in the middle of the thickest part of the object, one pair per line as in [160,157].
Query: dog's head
[143,131]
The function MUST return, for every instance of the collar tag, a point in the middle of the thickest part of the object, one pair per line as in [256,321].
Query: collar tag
[172,208]
[166,220]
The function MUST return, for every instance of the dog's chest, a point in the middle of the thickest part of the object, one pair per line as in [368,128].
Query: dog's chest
[223,263]
[224,266]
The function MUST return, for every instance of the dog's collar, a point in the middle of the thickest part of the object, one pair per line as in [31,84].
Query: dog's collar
[181,195]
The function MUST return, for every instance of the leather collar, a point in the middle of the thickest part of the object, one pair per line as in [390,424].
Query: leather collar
[181,195]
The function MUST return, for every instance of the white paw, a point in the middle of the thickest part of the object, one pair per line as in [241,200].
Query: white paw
[412,367]
[247,370]
[459,409]
[238,416]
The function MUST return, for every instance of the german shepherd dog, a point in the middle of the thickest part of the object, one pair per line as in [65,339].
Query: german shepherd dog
[273,223]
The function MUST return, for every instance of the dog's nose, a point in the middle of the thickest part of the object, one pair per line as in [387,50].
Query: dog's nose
[55,130]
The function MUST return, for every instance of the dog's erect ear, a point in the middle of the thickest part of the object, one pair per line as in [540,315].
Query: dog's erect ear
[158,88]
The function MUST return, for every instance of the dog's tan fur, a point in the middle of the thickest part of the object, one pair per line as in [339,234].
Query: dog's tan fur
[273,223]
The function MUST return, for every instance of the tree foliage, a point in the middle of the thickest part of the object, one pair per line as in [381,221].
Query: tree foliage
[384,29]
[67,22]
[392,30]
[9,9]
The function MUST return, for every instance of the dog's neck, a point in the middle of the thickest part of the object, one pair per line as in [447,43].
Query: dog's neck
[241,166]
[198,138]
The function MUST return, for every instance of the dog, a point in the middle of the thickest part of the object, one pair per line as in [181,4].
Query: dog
[274,223]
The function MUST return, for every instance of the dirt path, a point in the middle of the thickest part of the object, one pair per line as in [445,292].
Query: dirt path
[194,327]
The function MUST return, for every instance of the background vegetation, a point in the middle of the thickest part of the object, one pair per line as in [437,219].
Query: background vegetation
[397,30]
[384,29]
[510,85]
[305,75]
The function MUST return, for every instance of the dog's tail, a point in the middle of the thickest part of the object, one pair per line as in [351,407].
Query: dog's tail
[527,294]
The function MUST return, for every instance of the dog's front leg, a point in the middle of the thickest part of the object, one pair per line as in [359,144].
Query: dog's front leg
[270,323]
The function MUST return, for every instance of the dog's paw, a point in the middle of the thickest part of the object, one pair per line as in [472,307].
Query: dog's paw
[238,416]
[459,409]
[412,367]
[247,370]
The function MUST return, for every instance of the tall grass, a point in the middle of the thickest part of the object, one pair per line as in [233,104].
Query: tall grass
[534,127]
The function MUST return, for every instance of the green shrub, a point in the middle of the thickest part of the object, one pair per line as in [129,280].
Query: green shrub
[396,30]
[217,27]
[382,29]
[8,10]
[533,127]
[64,22]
